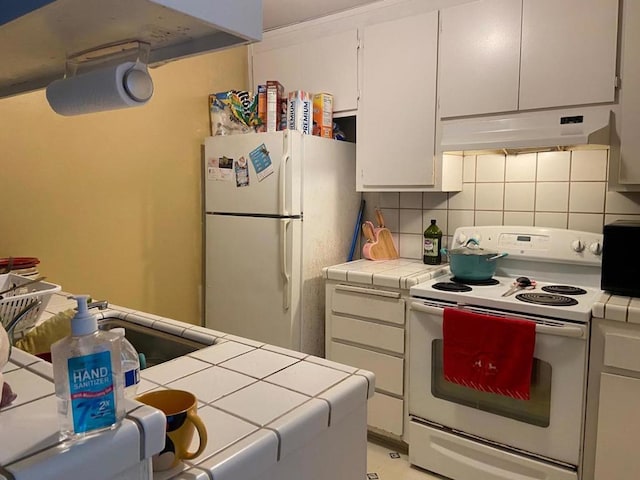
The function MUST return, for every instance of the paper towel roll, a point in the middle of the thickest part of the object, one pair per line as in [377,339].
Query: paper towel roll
[125,85]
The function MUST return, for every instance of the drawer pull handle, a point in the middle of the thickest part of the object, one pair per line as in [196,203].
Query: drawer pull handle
[367,291]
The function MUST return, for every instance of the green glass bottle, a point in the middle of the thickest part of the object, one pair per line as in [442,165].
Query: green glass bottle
[432,244]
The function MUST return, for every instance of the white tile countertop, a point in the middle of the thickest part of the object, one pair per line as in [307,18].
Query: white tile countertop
[29,443]
[401,273]
[616,307]
[261,404]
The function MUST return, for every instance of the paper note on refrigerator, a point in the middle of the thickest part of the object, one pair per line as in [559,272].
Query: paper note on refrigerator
[220,169]
[242,172]
[261,162]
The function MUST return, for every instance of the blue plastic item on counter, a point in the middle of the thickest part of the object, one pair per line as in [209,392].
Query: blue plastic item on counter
[356,231]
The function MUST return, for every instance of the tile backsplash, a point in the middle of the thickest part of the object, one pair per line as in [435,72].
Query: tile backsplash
[548,189]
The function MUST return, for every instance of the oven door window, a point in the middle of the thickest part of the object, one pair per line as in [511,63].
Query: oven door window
[535,411]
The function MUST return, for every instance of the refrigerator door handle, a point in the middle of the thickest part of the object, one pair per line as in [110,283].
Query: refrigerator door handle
[286,295]
[283,185]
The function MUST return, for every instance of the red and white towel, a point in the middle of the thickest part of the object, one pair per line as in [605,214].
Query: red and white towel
[488,353]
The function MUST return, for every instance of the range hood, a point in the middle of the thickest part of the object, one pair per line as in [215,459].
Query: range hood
[38,36]
[528,131]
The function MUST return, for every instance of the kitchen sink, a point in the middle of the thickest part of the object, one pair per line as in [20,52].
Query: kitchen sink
[157,346]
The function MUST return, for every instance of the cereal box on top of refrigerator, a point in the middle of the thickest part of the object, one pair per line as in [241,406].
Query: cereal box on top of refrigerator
[323,115]
[275,114]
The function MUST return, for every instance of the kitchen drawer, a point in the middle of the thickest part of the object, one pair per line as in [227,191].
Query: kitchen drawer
[622,350]
[387,369]
[377,335]
[454,456]
[369,303]
[385,413]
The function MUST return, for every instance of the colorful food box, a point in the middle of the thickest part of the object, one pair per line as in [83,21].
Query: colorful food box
[262,108]
[323,115]
[276,106]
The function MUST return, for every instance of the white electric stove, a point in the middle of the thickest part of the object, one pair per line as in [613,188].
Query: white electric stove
[564,264]
[545,299]
[468,434]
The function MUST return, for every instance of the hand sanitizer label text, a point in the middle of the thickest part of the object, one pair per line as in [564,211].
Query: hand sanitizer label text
[92,392]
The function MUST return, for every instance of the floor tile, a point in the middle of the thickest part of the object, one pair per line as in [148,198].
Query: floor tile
[386,463]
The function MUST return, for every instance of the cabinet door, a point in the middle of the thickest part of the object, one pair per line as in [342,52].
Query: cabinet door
[479,58]
[568,52]
[281,63]
[386,413]
[327,63]
[396,112]
[389,370]
[618,428]
[628,172]
[330,64]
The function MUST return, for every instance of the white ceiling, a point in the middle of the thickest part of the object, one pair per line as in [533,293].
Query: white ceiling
[279,13]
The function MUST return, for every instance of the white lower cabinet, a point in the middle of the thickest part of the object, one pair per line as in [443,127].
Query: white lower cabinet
[388,369]
[618,428]
[365,328]
[386,413]
[612,429]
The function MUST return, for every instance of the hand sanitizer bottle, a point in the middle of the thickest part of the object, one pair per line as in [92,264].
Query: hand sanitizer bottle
[130,364]
[87,371]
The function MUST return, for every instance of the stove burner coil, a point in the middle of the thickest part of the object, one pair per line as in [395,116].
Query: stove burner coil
[564,290]
[483,283]
[551,300]
[451,287]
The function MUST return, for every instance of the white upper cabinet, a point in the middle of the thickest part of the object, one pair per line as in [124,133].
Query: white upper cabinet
[280,64]
[568,52]
[509,55]
[624,164]
[396,112]
[313,61]
[479,58]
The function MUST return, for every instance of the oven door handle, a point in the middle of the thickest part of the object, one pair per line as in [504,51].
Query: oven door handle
[559,331]
[420,307]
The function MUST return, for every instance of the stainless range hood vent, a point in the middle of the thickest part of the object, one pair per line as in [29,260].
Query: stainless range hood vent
[529,131]
[38,36]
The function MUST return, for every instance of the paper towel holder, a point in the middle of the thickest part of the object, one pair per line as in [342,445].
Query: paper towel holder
[127,60]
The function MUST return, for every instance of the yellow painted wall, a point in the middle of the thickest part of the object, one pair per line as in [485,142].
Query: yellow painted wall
[111,202]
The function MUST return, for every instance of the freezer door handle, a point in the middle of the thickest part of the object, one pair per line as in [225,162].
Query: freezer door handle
[283,184]
[286,294]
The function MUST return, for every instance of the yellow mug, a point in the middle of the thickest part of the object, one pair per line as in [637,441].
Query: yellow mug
[180,408]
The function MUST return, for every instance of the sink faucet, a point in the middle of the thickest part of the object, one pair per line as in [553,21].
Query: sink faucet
[99,304]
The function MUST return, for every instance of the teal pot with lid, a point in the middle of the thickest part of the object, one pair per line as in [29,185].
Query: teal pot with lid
[472,262]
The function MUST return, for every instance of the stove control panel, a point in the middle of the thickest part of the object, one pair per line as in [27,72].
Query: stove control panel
[550,244]
[523,241]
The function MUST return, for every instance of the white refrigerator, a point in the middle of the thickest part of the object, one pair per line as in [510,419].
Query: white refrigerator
[278,208]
